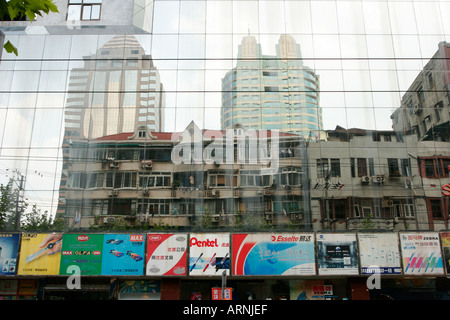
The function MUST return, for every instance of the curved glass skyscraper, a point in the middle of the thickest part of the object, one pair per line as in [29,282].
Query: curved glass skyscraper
[274,92]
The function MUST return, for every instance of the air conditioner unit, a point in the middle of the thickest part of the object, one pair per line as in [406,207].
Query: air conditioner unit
[388,203]
[215,218]
[108,220]
[378,179]
[365,179]
[114,165]
[268,216]
[147,164]
[114,193]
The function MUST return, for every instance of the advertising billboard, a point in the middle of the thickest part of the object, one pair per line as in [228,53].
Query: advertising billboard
[166,254]
[379,253]
[209,254]
[421,253]
[445,239]
[337,254]
[40,254]
[9,245]
[84,251]
[123,254]
[273,254]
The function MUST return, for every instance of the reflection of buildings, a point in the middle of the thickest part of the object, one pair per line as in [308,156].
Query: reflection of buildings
[363,179]
[130,177]
[117,90]
[271,92]
[425,106]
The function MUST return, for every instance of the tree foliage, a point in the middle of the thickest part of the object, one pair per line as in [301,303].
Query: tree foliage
[11,10]
[33,220]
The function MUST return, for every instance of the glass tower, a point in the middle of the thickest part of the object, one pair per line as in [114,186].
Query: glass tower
[272,92]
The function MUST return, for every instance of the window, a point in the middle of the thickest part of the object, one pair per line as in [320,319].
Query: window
[290,176]
[362,167]
[95,180]
[435,208]
[409,210]
[436,167]
[250,178]
[84,10]
[406,167]
[154,180]
[153,206]
[335,167]
[221,179]
[322,168]
[120,180]
[394,170]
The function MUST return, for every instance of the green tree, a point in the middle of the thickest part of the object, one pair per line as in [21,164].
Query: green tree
[35,220]
[11,10]
[8,199]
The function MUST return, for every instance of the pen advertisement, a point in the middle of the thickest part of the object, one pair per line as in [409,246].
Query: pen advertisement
[123,254]
[273,254]
[166,254]
[421,253]
[209,254]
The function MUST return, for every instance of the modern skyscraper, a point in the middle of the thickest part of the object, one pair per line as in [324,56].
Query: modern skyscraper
[117,90]
[272,92]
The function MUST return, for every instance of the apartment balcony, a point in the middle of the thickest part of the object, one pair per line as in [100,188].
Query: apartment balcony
[370,224]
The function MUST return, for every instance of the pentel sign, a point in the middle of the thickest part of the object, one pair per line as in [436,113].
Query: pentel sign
[203,243]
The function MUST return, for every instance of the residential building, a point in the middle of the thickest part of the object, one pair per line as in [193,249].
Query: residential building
[425,106]
[383,180]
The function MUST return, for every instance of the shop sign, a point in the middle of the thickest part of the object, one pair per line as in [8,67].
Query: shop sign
[9,244]
[123,254]
[446,189]
[273,254]
[8,287]
[322,290]
[216,294]
[337,254]
[166,254]
[421,253]
[379,253]
[209,253]
[40,254]
[84,251]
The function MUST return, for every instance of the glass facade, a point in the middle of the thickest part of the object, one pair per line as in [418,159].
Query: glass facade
[231,115]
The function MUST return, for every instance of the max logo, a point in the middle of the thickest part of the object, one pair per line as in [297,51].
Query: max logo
[446,189]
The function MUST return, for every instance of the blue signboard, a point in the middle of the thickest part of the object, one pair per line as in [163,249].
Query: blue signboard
[9,244]
[123,254]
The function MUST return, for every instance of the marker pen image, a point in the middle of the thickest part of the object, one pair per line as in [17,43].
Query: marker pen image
[221,262]
[409,262]
[210,260]
[193,266]
[429,261]
[419,264]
